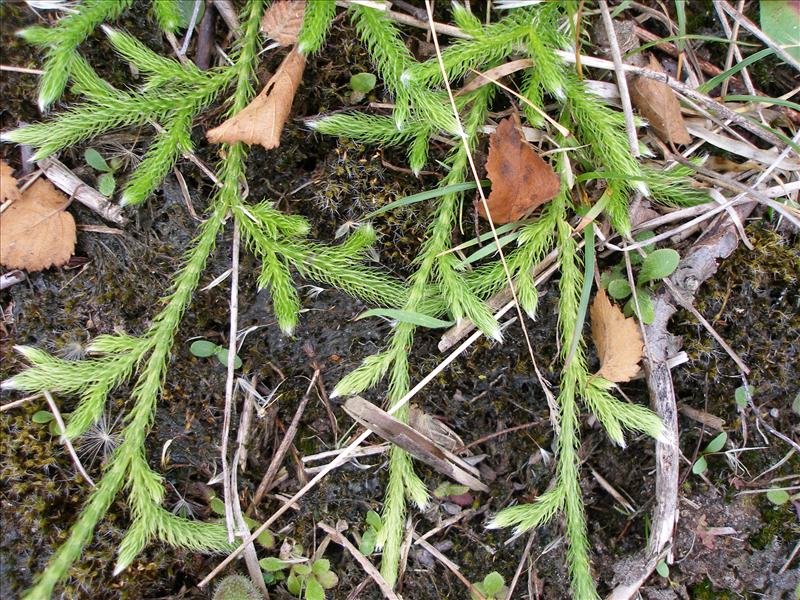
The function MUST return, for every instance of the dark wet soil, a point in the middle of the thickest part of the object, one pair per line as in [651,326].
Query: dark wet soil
[753,302]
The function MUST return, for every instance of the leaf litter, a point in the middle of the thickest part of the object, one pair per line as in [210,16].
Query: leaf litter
[658,104]
[618,340]
[521,180]
[35,231]
[261,121]
[283,20]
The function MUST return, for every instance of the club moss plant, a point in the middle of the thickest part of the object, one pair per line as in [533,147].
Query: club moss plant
[172,96]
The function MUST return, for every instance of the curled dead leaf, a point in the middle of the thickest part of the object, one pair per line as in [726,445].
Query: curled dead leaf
[521,180]
[35,231]
[617,338]
[8,184]
[657,103]
[282,21]
[262,121]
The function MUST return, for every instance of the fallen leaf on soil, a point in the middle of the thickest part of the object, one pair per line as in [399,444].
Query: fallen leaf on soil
[708,535]
[35,231]
[658,104]
[617,338]
[262,121]
[8,184]
[283,20]
[434,429]
[521,180]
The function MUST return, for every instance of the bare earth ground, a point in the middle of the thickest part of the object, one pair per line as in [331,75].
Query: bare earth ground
[754,303]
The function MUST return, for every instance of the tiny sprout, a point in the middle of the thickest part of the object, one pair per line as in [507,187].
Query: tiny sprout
[361,84]
[715,445]
[493,587]
[106,183]
[662,569]
[205,349]
[778,497]
[369,540]
[310,581]
[741,395]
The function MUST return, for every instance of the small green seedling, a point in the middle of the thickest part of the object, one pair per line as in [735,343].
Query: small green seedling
[311,581]
[493,587]
[266,539]
[361,84]
[43,417]
[655,266]
[779,497]
[449,489]
[205,348]
[370,537]
[715,445]
[106,182]
[662,569]
[741,395]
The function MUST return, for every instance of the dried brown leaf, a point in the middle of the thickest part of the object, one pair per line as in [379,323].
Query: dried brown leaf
[521,180]
[658,104]
[617,338]
[283,20]
[262,121]
[8,184]
[35,231]
[434,429]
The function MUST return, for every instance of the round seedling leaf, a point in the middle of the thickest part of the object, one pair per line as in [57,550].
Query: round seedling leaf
[185,10]
[314,590]
[54,428]
[661,263]
[222,356]
[641,237]
[94,159]
[363,82]
[293,584]
[374,520]
[106,184]
[266,539]
[662,569]
[700,466]
[328,579]
[203,348]
[272,564]
[645,306]
[217,506]
[42,417]
[741,394]
[321,565]
[778,497]
[619,289]
[717,444]
[493,583]
[302,570]
[368,541]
